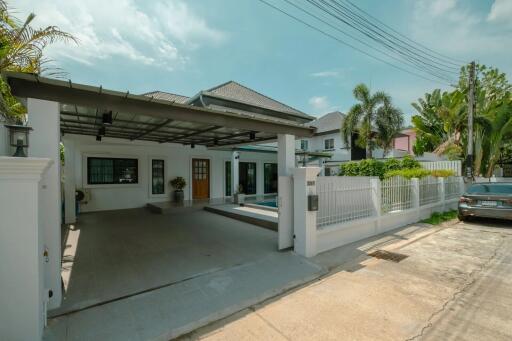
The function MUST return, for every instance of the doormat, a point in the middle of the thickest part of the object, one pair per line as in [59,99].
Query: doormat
[388,255]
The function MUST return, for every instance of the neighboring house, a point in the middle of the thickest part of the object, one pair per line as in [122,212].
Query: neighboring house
[405,141]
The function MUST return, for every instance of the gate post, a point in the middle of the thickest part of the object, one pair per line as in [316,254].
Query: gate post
[304,185]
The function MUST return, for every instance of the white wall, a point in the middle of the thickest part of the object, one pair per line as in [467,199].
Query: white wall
[177,158]
[4,139]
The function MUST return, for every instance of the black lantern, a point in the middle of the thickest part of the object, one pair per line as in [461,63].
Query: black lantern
[19,138]
[107,118]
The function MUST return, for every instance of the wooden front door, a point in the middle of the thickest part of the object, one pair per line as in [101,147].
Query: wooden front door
[200,178]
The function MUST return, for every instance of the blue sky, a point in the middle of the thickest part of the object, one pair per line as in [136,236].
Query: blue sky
[184,46]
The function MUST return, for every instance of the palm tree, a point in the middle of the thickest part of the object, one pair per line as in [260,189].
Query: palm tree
[21,50]
[389,124]
[362,117]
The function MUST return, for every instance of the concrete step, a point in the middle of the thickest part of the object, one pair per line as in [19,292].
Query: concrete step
[259,217]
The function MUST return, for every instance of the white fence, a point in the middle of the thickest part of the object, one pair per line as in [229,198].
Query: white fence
[353,208]
[333,206]
[455,165]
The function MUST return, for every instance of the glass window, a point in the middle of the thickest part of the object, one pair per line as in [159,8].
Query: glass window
[157,177]
[304,145]
[101,170]
[329,144]
[270,177]
[246,177]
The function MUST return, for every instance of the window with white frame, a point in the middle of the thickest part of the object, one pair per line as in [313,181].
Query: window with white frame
[304,145]
[329,144]
[106,170]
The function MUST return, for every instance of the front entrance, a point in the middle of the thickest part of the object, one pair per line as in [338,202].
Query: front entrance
[200,178]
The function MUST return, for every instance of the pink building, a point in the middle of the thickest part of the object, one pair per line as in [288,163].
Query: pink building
[405,140]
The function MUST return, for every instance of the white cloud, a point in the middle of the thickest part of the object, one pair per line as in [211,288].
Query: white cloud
[328,73]
[501,11]
[158,34]
[319,103]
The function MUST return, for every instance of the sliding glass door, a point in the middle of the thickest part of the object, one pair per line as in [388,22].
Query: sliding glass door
[246,177]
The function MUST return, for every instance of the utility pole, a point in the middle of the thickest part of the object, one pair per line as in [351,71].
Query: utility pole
[471,112]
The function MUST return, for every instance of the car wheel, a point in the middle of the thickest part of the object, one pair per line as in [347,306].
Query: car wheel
[462,218]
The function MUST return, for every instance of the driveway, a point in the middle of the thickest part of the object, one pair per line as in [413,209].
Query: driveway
[455,284]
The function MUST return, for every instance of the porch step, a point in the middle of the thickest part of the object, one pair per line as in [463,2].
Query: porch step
[259,217]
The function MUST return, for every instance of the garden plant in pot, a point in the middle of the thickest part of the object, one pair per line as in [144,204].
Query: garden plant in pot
[239,195]
[178,183]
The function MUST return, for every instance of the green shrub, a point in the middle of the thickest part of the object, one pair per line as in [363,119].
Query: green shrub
[443,173]
[438,218]
[408,162]
[408,173]
[371,167]
[349,169]
[392,164]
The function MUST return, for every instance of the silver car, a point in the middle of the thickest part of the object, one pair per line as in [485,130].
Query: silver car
[490,200]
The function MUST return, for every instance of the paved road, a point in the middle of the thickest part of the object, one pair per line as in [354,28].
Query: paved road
[456,284]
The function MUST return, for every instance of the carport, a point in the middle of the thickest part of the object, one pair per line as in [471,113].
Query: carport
[106,245]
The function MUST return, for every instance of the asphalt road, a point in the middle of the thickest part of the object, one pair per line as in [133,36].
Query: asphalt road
[455,284]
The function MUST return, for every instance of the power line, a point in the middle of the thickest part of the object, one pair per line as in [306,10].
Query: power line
[447,58]
[390,45]
[348,44]
[416,65]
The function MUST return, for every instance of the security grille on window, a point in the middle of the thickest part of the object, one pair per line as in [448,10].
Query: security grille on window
[304,145]
[329,144]
[103,171]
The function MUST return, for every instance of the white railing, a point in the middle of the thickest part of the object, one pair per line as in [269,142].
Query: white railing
[429,190]
[396,194]
[455,165]
[342,199]
[452,187]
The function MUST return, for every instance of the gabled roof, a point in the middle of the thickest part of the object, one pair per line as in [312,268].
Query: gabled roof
[328,122]
[237,92]
[167,96]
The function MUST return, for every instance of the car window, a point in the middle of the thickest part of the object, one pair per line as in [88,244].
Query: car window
[490,189]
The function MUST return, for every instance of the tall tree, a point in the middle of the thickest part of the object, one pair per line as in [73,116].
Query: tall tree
[21,50]
[389,123]
[362,118]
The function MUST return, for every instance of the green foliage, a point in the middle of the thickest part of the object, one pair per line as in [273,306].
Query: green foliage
[442,173]
[408,162]
[438,218]
[408,173]
[372,167]
[178,183]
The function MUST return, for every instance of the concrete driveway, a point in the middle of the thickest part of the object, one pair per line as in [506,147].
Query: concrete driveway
[456,284]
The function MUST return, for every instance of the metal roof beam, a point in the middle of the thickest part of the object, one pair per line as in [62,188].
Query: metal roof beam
[192,134]
[144,133]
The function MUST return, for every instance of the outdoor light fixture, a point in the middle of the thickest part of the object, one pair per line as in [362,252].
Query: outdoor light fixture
[102,131]
[252,135]
[98,137]
[107,117]
[216,142]
[192,145]
[19,138]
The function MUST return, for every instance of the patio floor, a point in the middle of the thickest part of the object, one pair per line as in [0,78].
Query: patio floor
[187,268]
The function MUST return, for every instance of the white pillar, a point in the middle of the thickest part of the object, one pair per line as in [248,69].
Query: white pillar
[377,199]
[415,184]
[442,195]
[43,117]
[69,182]
[285,166]
[4,139]
[322,166]
[235,159]
[22,295]
[304,184]
[285,154]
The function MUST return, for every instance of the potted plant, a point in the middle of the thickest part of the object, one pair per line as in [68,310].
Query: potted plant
[178,183]
[239,195]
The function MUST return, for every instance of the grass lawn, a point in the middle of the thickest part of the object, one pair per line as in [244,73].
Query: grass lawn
[438,218]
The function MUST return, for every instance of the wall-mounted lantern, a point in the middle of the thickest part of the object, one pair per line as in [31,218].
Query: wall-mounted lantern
[18,137]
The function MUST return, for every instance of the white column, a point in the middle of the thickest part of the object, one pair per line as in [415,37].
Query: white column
[442,195]
[377,199]
[285,167]
[43,117]
[285,154]
[415,184]
[322,166]
[304,184]
[4,139]
[22,295]
[69,182]
[235,159]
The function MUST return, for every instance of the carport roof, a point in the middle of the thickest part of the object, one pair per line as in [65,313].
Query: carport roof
[143,117]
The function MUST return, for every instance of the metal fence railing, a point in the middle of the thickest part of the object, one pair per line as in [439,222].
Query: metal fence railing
[455,165]
[396,194]
[342,199]
[452,187]
[429,190]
